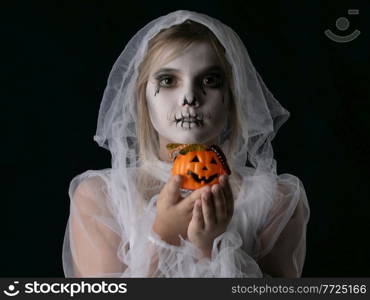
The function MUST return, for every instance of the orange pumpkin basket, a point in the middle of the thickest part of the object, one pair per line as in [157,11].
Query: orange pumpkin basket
[198,164]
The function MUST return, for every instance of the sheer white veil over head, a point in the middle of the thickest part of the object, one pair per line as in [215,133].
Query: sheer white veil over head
[260,114]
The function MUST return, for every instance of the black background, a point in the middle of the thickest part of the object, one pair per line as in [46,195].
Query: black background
[56,57]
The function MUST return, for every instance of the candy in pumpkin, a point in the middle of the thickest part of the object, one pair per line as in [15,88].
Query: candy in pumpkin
[198,164]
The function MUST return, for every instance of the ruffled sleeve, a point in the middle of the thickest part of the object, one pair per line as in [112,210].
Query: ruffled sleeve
[282,239]
[92,239]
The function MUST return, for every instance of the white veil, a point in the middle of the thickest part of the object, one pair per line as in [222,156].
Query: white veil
[108,235]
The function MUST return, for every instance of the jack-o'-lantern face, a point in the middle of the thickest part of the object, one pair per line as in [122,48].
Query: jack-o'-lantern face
[199,168]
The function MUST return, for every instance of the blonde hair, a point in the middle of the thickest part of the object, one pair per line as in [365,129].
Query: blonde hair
[178,37]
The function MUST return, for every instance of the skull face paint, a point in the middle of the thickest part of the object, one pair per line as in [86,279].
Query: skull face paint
[188,96]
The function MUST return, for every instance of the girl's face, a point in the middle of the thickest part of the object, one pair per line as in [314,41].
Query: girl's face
[188,96]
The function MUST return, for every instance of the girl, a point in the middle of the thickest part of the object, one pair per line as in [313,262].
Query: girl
[186,78]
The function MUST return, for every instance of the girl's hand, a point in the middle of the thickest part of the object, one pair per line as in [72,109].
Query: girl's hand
[173,213]
[212,213]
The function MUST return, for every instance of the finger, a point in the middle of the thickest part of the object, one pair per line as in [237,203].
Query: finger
[172,189]
[208,210]
[219,201]
[188,202]
[229,199]
[198,214]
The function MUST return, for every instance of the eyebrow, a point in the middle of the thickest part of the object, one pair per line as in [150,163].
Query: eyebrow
[214,68]
[165,70]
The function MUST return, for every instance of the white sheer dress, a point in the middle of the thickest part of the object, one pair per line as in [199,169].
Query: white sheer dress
[109,230]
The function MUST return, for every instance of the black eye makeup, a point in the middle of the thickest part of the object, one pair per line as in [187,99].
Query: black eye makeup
[212,81]
[211,78]
[166,81]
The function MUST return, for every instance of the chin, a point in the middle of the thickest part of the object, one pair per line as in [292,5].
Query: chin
[194,138]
